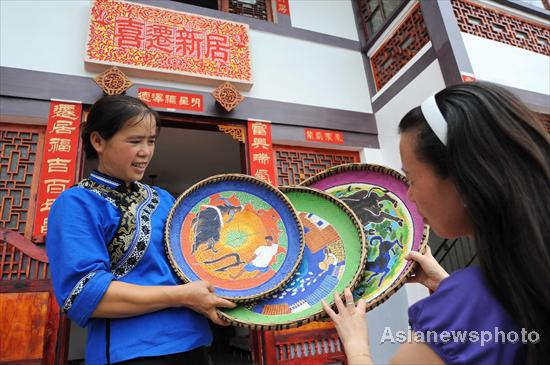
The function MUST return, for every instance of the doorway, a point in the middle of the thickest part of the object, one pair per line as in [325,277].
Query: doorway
[183,157]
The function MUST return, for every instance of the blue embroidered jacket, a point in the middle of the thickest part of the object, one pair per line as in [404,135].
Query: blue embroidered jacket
[85,256]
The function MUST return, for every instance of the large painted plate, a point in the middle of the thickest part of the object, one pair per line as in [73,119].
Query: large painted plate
[237,232]
[390,220]
[334,258]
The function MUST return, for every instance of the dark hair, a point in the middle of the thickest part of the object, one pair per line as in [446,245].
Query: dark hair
[109,114]
[498,156]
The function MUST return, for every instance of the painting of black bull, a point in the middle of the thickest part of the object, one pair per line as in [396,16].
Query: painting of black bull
[380,264]
[368,206]
[209,222]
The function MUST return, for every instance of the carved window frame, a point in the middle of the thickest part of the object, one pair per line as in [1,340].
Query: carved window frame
[369,9]
[40,130]
[257,9]
[232,6]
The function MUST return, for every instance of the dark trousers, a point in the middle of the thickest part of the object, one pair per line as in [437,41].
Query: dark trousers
[194,357]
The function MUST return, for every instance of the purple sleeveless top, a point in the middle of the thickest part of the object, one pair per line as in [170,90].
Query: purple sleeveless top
[457,320]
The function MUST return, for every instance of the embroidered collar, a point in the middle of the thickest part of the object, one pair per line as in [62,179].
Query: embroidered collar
[131,240]
[112,182]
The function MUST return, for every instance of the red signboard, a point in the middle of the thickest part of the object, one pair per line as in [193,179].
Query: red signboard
[58,160]
[148,38]
[282,7]
[171,99]
[261,151]
[324,136]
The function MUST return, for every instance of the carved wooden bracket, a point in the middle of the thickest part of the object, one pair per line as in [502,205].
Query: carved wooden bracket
[227,96]
[113,81]
[236,132]
[23,244]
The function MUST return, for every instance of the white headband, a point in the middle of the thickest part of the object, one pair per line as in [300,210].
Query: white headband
[435,119]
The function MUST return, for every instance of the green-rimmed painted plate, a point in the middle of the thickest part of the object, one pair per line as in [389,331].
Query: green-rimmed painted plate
[334,258]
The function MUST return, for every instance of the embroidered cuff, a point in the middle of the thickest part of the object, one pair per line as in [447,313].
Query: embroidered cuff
[85,296]
[76,291]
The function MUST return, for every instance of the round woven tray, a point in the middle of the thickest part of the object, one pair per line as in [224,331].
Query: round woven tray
[238,233]
[392,225]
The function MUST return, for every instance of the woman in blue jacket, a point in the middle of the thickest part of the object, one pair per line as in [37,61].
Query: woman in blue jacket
[105,244]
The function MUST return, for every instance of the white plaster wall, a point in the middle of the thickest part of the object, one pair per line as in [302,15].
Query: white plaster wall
[298,71]
[371,155]
[508,65]
[387,119]
[537,3]
[51,36]
[334,17]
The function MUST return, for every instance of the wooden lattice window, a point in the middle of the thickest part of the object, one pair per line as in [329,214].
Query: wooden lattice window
[374,13]
[483,21]
[400,48]
[304,347]
[295,164]
[20,156]
[259,9]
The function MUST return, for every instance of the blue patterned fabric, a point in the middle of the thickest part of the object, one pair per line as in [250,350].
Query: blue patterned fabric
[81,225]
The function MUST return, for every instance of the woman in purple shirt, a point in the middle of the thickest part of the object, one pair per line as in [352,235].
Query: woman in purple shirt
[478,163]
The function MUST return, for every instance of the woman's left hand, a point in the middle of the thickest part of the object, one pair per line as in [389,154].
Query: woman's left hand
[351,324]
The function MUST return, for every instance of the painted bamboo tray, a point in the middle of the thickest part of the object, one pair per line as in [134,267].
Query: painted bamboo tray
[237,232]
[391,222]
[334,258]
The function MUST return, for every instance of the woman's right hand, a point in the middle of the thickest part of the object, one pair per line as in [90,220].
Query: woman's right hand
[199,296]
[428,272]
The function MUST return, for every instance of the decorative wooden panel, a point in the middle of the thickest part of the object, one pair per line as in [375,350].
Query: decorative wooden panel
[113,81]
[295,164]
[228,96]
[321,346]
[19,173]
[483,21]
[400,48]
[24,339]
[259,9]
